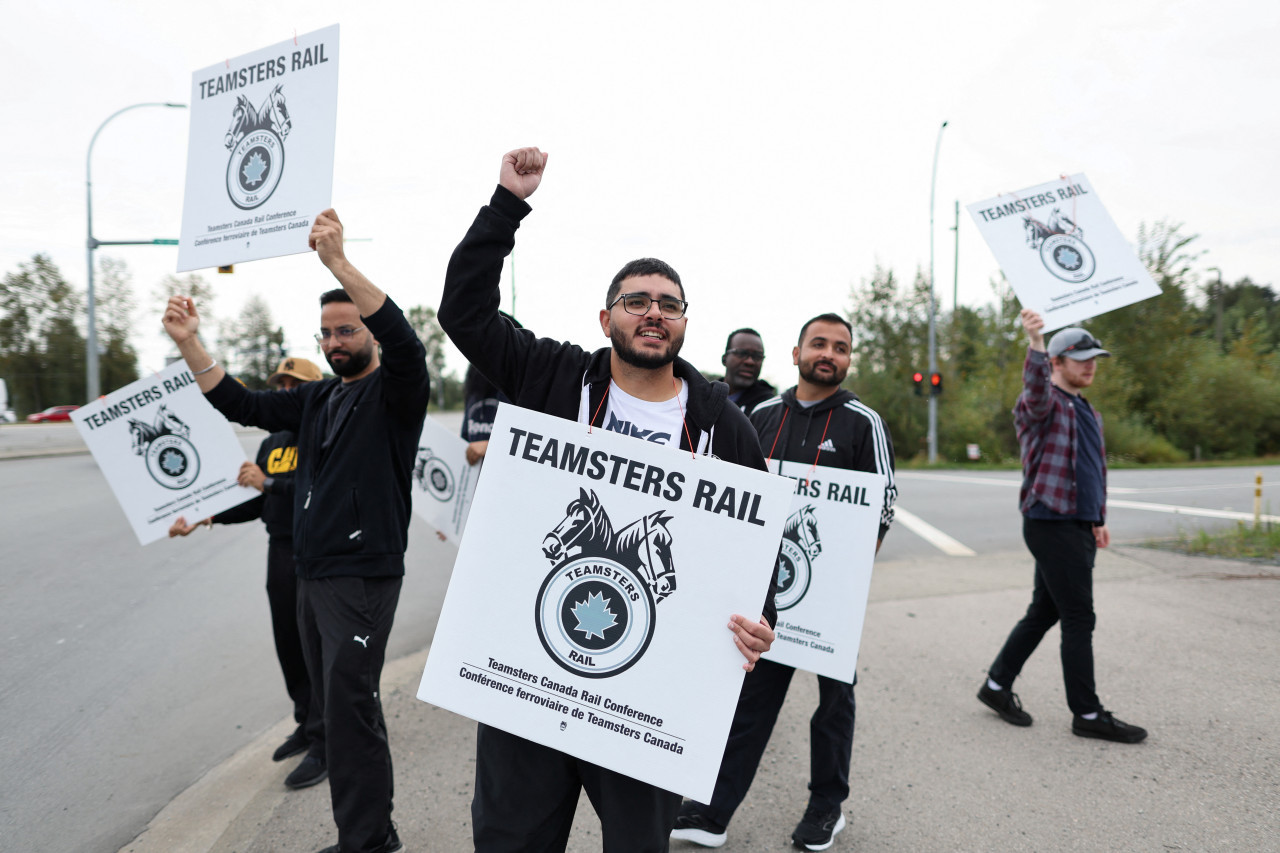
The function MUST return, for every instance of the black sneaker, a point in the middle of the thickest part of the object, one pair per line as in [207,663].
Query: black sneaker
[391,845]
[1006,704]
[1107,727]
[294,744]
[693,825]
[312,771]
[817,830]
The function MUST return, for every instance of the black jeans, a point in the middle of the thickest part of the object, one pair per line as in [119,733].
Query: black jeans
[1064,553]
[830,740]
[282,595]
[345,622]
[526,795]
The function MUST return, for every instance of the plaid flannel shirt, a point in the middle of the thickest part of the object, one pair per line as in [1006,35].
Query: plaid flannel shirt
[1046,425]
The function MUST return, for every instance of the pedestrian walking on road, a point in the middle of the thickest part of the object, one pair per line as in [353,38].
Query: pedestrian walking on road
[1064,521]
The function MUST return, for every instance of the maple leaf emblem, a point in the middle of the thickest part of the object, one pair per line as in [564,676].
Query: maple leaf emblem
[1069,258]
[255,168]
[784,575]
[594,616]
[173,462]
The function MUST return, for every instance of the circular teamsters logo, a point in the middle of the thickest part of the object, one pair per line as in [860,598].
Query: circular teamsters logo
[1067,257]
[173,461]
[438,480]
[595,617]
[794,574]
[255,167]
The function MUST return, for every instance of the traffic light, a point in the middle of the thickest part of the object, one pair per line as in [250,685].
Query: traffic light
[229,268]
[917,379]
[935,384]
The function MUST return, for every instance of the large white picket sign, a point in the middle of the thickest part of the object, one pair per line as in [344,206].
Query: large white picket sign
[443,483]
[260,152]
[164,450]
[824,567]
[1062,252]
[590,601]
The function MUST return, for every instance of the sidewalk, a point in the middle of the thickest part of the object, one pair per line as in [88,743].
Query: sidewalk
[1183,648]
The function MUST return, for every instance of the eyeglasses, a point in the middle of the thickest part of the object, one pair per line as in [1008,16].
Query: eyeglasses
[343,333]
[669,307]
[746,354]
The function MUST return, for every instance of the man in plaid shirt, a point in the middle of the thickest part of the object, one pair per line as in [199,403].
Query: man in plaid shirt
[1063,503]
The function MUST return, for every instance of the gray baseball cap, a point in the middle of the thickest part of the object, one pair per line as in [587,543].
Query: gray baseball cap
[1076,344]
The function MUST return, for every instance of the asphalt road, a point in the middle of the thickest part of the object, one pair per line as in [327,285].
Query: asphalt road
[132,671]
[129,672]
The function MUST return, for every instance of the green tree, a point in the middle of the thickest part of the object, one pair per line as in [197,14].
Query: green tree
[116,311]
[194,286]
[254,344]
[42,352]
[446,388]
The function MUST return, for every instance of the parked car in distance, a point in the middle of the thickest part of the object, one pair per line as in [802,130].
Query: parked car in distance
[53,413]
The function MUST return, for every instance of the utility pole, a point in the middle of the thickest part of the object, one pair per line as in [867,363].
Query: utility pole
[933,310]
[91,360]
[1217,298]
[955,283]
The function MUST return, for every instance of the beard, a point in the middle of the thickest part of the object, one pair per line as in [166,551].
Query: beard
[646,360]
[809,372]
[354,364]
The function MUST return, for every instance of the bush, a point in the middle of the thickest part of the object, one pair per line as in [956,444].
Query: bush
[1129,440]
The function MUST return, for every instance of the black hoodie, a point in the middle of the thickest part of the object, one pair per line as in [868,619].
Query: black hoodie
[550,376]
[352,500]
[839,432]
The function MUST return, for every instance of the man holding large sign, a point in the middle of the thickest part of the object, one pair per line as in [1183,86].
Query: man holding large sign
[526,792]
[811,429]
[357,441]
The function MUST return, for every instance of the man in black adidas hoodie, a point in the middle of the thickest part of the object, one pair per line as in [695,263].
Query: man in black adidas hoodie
[357,439]
[814,422]
[526,793]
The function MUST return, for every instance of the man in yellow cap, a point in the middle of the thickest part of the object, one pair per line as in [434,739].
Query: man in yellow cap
[272,474]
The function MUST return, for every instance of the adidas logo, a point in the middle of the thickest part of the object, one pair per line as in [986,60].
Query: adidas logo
[827,445]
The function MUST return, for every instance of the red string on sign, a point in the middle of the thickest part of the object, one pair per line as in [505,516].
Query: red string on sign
[769,455]
[824,438]
[591,422]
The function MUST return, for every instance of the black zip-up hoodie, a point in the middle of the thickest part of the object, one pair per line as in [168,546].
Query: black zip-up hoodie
[855,438]
[550,376]
[351,502]
[278,458]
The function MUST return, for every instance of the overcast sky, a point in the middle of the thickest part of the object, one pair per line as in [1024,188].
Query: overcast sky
[773,153]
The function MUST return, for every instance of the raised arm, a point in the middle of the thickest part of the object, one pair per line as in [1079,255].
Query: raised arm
[1035,401]
[326,238]
[182,321]
[469,305]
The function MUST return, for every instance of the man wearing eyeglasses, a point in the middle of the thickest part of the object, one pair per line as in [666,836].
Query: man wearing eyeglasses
[1064,512]
[357,441]
[526,793]
[743,359]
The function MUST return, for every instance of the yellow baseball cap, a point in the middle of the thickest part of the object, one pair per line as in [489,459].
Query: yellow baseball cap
[298,368]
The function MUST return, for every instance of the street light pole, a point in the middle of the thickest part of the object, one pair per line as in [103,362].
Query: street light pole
[1217,298]
[933,311]
[91,360]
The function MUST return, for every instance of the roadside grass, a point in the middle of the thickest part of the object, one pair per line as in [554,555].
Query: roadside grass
[1242,542]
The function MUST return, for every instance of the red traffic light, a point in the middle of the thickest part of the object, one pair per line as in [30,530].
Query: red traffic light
[935,381]
[917,377]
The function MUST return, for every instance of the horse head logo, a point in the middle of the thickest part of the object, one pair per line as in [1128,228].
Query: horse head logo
[585,529]
[166,423]
[244,120]
[802,529]
[274,108]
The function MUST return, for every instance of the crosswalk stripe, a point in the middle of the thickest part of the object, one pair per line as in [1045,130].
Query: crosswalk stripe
[931,534]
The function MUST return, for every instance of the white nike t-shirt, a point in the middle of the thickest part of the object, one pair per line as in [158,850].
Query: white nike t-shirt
[661,422]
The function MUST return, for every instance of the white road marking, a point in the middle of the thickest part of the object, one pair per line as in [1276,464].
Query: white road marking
[1200,512]
[931,534]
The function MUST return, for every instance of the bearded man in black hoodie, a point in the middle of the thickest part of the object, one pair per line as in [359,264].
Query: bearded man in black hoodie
[526,793]
[813,423]
[357,441]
